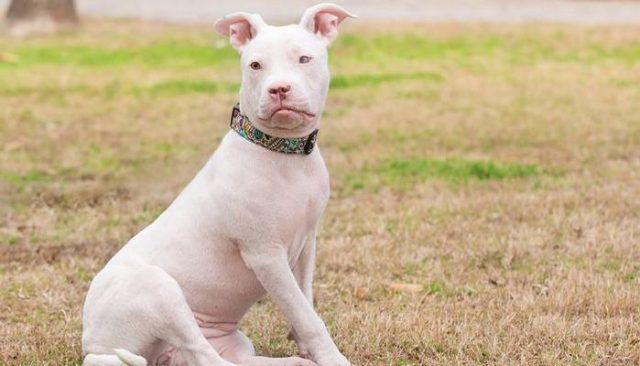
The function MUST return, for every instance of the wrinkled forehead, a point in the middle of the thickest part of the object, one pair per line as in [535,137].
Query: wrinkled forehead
[281,40]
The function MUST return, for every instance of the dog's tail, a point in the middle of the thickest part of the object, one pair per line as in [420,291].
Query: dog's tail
[121,358]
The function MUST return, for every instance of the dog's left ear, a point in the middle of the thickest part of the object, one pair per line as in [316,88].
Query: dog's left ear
[240,28]
[323,20]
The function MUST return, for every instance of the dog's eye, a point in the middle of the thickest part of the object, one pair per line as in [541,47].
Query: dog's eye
[305,59]
[255,65]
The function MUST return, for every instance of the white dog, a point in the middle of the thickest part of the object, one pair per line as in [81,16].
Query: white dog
[244,227]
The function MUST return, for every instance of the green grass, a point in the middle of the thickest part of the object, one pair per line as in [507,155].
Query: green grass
[521,48]
[435,288]
[418,47]
[402,172]
[349,81]
[176,52]
[19,180]
[189,86]
[165,53]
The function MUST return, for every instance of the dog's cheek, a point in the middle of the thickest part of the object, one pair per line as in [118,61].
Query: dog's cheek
[251,94]
[317,87]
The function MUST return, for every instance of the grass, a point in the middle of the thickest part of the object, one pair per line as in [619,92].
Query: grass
[166,53]
[485,202]
[407,172]
[350,81]
[20,180]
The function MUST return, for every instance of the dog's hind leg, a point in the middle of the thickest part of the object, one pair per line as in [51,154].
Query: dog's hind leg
[133,308]
[236,347]
[121,358]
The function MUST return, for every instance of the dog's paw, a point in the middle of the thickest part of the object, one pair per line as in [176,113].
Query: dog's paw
[335,361]
[303,351]
[297,361]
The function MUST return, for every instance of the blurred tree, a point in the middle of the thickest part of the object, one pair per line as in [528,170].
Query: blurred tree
[40,16]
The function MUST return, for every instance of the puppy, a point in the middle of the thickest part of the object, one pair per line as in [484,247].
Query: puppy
[244,227]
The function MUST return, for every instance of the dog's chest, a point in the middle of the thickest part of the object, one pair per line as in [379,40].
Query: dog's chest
[277,193]
[265,205]
[301,211]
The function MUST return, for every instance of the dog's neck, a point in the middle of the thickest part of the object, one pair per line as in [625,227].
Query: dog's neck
[293,145]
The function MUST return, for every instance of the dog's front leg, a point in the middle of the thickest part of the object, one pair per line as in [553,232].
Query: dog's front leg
[270,265]
[303,272]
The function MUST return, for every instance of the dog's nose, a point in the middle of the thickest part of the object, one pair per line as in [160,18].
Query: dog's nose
[279,91]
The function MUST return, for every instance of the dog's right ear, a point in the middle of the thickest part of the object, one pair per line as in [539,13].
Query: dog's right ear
[240,28]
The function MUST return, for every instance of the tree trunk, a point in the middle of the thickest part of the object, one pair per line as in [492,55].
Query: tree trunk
[40,16]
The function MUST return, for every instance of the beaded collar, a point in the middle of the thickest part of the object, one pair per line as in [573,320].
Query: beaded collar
[293,145]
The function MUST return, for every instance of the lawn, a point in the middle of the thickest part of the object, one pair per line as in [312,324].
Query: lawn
[485,204]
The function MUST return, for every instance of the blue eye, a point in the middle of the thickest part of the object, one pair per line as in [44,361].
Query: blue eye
[305,59]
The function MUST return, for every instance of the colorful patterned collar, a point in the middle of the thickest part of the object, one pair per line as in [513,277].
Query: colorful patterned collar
[293,145]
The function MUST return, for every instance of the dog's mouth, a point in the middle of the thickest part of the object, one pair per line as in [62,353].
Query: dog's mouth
[287,111]
[287,118]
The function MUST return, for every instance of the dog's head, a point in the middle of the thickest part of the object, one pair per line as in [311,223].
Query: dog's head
[285,75]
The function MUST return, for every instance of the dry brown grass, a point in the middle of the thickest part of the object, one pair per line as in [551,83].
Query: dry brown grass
[538,270]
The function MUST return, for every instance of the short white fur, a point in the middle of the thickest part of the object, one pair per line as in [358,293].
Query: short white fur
[244,227]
